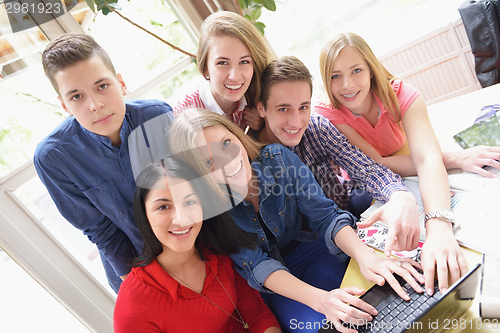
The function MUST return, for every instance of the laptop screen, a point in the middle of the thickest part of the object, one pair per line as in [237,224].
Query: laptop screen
[452,305]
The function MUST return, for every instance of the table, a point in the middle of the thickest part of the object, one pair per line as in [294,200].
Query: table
[448,118]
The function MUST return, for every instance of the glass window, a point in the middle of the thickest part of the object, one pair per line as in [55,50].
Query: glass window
[137,55]
[30,109]
[35,198]
[25,304]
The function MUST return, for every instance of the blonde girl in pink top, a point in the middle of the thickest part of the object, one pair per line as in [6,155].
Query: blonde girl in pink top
[374,111]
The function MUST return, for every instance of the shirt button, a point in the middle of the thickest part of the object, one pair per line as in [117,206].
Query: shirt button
[263,239]
[275,230]
[254,219]
[244,264]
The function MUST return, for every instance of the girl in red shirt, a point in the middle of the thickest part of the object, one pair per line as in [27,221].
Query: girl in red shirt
[184,281]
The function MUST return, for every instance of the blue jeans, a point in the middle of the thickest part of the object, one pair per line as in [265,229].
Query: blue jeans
[312,263]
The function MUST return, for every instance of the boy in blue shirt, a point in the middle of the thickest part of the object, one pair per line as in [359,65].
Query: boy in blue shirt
[84,163]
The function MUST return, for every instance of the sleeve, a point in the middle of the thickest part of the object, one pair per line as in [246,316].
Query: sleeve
[335,116]
[190,100]
[133,312]
[377,179]
[255,266]
[322,213]
[252,308]
[75,207]
[406,95]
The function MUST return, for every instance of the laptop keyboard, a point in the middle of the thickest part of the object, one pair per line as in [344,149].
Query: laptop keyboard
[394,312]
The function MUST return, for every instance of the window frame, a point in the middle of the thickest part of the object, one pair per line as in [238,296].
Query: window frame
[33,247]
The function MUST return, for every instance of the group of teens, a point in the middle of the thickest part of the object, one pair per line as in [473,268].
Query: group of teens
[244,221]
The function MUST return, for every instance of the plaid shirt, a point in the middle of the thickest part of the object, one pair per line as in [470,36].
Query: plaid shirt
[323,147]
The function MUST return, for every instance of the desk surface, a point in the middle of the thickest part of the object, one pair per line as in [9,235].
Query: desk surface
[454,115]
[448,118]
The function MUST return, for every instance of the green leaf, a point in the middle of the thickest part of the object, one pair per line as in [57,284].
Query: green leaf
[248,17]
[260,26]
[270,5]
[258,1]
[243,4]
[100,4]
[105,10]
[255,14]
[115,6]
[91,5]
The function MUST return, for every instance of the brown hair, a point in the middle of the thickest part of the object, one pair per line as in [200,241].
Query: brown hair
[69,49]
[283,69]
[381,78]
[231,24]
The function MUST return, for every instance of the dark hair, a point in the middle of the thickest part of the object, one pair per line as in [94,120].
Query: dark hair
[69,49]
[283,69]
[219,234]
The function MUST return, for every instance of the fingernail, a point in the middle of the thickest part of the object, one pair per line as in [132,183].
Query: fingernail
[422,280]
[429,291]
[443,290]
[374,312]
[388,253]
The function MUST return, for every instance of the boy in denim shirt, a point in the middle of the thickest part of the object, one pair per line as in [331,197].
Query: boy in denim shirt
[84,162]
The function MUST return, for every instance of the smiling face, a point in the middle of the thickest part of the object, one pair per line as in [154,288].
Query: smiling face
[94,96]
[226,156]
[175,214]
[351,81]
[230,69]
[287,113]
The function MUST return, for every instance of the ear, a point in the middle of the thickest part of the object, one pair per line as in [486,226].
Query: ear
[63,105]
[261,110]
[122,83]
[206,74]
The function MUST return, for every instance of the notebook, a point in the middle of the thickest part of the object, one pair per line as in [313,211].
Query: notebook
[484,131]
[423,313]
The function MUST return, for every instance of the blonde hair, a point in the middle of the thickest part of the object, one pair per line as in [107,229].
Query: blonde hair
[381,78]
[187,126]
[231,24]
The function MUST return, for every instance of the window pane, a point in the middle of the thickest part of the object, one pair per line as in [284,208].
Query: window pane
[34,196]
[30,109]
[24,303]
[136,54]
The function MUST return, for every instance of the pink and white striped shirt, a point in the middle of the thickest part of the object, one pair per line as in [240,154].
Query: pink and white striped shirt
[202,97]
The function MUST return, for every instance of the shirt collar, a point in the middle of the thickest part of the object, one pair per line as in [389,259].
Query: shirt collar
[210,102]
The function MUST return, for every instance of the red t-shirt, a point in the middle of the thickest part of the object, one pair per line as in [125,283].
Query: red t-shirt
[150,300]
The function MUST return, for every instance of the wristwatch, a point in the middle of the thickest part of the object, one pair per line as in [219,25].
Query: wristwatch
[444,215]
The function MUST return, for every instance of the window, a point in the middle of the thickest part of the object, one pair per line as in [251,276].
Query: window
[59,257]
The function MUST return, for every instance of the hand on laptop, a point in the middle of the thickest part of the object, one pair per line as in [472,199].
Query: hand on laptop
[400,213]
[337,309]
[441,254]
[379,270]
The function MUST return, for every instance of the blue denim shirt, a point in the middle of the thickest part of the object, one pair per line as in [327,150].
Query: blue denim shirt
[288,190]
[92,184]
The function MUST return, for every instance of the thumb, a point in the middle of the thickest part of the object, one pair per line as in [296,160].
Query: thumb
[370,220]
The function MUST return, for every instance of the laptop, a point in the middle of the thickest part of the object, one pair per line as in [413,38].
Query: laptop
[423,313]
